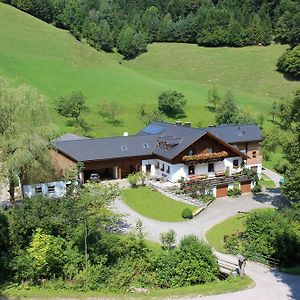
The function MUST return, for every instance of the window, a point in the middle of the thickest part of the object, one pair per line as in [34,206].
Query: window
[168,169]
[210,150]
[211,167]
[192,151]
[38,190]
[148,168]
[253,154]
[236,163]
[157,165]
[51,189]
[163,167]
[191,170]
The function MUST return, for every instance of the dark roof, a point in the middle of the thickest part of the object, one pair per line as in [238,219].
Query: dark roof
[226,132]
[237,133]
[145,143]
[108,148]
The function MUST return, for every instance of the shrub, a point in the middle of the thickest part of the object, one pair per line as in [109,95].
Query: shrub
[171,103]
[282,166]
[190,263]
[168,239]
[137,178]
[289,62]
[133,179]
[208,198]
[235,191]
[269,233]
[187,213]
[256,189]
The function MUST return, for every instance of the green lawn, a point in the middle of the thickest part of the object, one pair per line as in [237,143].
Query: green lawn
[267,182]
[54,62]
[154,205]
[215,235]
[218,287]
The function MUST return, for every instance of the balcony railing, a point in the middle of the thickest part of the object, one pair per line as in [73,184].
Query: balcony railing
[207,157]
[219,180]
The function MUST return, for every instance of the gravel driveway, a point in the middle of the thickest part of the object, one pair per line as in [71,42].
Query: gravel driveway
[269,283]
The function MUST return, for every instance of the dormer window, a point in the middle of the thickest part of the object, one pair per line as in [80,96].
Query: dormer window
[145,146]
[124,147]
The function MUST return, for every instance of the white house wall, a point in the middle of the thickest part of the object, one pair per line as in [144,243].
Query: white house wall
[178,171]
[59,189]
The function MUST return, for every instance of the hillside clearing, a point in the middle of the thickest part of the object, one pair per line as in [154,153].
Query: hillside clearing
[51,60]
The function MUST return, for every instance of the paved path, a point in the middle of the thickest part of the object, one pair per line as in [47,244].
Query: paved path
[272,175]
[269,283]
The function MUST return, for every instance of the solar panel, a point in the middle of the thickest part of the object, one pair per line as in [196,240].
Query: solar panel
[153,129]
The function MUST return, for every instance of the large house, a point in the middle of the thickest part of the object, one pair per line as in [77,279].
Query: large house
[170,151]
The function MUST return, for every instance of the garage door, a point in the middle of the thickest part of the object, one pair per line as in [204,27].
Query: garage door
[222,191]
[246,187]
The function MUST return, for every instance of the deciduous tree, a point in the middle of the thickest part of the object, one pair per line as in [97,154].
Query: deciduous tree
[25,135]
[171,103]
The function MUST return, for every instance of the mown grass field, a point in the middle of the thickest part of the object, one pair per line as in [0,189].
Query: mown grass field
[232,284]
[51,60]
[154,205]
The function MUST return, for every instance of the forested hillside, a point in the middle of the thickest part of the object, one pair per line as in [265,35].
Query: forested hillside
[131,25]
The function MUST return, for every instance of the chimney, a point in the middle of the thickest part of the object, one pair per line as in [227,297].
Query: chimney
[178,123]
[188,124]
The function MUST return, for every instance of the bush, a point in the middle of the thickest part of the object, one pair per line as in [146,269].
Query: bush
[256,189]
[282,166]
[133,179]
[269,234]
[190,263]
[171,103]
[137,178]
[234,192]
[208,198]
[289,62]
[187,213]
[168,239]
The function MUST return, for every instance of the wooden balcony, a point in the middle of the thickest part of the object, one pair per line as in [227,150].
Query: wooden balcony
[203,158]
[219,180]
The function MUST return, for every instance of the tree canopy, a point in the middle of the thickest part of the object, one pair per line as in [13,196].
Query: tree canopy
[289,62]
[131,25]
[171,103]
[25,135]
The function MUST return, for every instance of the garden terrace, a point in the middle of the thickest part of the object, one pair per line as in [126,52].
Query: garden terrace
[207,157]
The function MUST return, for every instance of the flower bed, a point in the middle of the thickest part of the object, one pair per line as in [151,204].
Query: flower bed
[207,156]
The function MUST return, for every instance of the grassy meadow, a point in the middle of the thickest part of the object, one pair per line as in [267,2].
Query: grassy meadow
[54,62]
